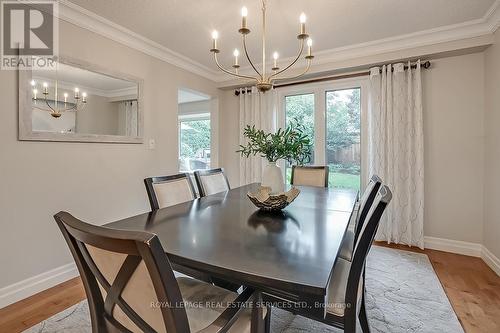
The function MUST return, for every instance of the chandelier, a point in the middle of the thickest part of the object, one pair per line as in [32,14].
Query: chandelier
[264,81]
[77,104]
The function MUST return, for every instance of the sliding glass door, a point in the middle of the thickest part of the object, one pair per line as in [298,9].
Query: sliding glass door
[333,117]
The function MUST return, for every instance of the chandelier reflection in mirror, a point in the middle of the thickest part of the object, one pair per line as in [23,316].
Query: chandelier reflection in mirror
[77,102]
[264,81]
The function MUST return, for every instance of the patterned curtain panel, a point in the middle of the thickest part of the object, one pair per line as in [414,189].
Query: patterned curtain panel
[396,149]
[257,109]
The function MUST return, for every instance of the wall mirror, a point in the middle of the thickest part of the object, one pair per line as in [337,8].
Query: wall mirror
[79,102]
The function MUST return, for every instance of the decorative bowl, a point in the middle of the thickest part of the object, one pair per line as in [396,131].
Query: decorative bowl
[267,201]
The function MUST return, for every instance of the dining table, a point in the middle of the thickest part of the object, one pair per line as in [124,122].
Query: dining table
[288,255]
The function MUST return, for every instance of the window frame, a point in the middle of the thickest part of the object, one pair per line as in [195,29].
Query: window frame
[320,90]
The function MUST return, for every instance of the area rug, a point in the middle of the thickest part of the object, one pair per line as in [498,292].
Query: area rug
[403,295]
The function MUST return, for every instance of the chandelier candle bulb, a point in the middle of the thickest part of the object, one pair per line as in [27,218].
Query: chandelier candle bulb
[302,24]
[236,54]
[35,92]
[244,14]
[84,97]
[33,83]
[309,47]
[215,36]
[77,93]
[275,63]
[65,98]
[45,88]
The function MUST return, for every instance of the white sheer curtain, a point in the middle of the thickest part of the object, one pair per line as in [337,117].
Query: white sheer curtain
[257,109]
[396,149]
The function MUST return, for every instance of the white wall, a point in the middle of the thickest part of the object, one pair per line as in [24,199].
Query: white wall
[454,149]
[453,132]
[96,182]
[492,167]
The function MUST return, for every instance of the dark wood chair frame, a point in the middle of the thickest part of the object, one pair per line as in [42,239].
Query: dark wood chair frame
[369,201]
[147,247]
[153,201]
[200,173]
[357,272]
[325,167]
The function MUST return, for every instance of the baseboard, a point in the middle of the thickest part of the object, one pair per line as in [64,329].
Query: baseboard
[491,260]
[26,288]
[465,248]
[453,246]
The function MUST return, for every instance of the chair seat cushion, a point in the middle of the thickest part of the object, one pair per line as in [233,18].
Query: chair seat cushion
[337,288]
[347,247]
[205,302]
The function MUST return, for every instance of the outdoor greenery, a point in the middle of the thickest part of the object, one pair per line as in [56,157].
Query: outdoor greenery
[291,144]
[195,136]
[343,119]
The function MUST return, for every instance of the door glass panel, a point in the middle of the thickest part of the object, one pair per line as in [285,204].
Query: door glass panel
[343,139]
[300,108]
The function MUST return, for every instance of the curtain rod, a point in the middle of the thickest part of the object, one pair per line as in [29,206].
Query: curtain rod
[424,65]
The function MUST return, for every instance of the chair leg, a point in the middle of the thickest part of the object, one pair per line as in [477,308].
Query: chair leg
[363,319]
[267,324]
[350,325]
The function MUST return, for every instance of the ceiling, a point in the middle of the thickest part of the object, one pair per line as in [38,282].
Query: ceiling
[184,26]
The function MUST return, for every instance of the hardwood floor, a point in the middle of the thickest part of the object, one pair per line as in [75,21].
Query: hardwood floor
[472,287]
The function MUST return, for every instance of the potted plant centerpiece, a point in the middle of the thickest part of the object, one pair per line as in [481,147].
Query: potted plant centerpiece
[290,144]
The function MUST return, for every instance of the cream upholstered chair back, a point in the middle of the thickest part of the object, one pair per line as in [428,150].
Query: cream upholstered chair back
[167,191]
[127,278]
[211,181]
[310,176]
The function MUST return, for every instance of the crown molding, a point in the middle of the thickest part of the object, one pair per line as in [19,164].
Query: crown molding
[88,20]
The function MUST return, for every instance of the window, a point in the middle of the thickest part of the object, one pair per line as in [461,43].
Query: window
[332,116]
[194,142]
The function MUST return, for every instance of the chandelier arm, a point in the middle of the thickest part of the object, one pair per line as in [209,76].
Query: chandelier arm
[295,76]
[248,58]
[292,63]
[50,107]
[229,72]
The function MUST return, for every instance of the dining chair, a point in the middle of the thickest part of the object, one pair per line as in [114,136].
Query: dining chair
[167,191]
[310,175]
[346,290]
[358,217]
[211,181]
[131,287]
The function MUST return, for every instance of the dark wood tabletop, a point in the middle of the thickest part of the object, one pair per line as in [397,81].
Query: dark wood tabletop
[290,254]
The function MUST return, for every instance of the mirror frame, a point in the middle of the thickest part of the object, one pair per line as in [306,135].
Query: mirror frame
[25,111]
